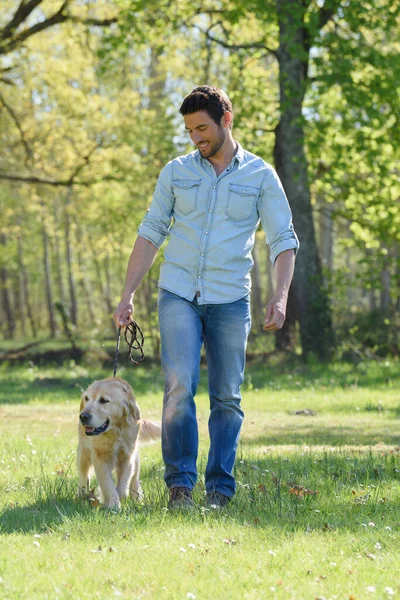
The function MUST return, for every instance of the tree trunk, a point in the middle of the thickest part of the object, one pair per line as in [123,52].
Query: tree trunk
[258,306]
[326,234]
[48,280]
[307,292]
[5,296]
[103,286]
[59,260]
[68,245]
[385,287]
[23,287]
[86,283]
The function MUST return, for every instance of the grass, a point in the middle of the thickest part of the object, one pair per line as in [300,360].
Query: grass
[316,514]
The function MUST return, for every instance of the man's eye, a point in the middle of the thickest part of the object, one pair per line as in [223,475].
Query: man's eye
[103,401]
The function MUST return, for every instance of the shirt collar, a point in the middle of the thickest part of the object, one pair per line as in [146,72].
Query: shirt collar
[239,156]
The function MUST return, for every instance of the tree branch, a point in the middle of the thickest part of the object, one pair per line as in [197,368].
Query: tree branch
[61,16]
[58,182]
[14,117]
[326,13]
[250,46]
[22,13]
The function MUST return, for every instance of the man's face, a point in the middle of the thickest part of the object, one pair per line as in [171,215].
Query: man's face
[205,133]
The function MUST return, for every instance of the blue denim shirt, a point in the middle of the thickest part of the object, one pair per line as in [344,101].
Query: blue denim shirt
[212,220]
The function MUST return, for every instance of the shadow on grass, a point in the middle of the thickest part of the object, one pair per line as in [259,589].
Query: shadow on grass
[16,389]
[312,435]
[66,381]
[312,490]
[39,517]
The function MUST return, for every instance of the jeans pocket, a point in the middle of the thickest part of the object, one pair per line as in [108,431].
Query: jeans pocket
[242,201]
[186,192]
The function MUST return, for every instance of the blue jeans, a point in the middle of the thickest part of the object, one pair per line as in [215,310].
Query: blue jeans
[184,327]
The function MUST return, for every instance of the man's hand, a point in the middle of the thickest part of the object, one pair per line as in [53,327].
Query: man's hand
[123,313]
[275,314]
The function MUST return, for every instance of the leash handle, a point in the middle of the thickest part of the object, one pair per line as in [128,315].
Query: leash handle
[117,352]
[135,339]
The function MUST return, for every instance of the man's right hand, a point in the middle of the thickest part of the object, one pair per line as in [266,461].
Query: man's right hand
[123,313]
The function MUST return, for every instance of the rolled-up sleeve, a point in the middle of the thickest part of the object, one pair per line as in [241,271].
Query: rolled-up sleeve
[276,216]
[157,221]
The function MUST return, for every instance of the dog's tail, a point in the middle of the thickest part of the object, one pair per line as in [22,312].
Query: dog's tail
[149,431]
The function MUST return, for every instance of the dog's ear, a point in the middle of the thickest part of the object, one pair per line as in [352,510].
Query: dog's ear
[133,407]
[82,406]
[130,399]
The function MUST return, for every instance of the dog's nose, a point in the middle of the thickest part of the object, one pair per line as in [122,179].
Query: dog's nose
[85,418]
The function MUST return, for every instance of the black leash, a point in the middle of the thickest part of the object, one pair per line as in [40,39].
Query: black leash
[135,340]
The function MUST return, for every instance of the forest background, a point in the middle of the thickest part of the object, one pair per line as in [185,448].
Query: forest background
[89,98]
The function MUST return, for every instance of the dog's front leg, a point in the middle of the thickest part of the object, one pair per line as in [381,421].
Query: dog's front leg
[108,490]
[83,463]
[124,475]
[135,489]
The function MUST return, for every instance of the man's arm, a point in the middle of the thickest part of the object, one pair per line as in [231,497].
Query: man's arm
[276,309]
[140,261]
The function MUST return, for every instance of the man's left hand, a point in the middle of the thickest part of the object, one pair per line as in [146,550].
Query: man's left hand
[275,314]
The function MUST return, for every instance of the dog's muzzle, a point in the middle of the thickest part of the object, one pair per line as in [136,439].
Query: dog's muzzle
[85,420]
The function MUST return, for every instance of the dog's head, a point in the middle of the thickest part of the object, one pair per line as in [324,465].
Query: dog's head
[107,403]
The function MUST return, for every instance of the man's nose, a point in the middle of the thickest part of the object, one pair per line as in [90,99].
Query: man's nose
[196,138]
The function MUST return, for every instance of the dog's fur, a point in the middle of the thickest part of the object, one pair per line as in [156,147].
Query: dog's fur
[110,406]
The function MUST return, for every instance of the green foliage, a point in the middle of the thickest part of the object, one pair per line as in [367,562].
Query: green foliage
[96,108]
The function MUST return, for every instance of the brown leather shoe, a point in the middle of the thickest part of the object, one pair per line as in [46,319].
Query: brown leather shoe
[216,500]
[180,497]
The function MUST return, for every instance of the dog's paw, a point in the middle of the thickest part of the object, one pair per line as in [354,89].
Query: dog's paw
[137,495]
[112,504]
[81,492]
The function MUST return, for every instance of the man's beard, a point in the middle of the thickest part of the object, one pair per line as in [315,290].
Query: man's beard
[212,150]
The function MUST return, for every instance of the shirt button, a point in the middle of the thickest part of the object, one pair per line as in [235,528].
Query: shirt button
[244,191]
[214,186]
[206,232]
[202,254]
[198,276]
[210,211]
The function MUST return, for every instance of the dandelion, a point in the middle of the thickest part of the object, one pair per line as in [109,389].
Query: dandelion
[182,549]
[378,546]
[192,546]
[36,544]
[190,595]
[388,528]
[371,524]
[389,591]
[371,589]
[272,552]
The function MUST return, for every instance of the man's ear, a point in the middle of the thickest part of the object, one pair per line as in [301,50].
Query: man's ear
[227,119]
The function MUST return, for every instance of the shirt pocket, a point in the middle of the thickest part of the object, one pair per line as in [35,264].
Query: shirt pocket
[242,200]
[186,192]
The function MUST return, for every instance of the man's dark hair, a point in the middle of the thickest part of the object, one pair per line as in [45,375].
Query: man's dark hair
[211,99]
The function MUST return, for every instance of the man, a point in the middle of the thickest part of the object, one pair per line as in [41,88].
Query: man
[210,203]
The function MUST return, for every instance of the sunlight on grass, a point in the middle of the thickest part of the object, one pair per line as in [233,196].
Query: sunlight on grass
[316,514]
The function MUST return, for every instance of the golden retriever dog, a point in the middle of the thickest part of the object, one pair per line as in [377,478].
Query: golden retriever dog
[110,429]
